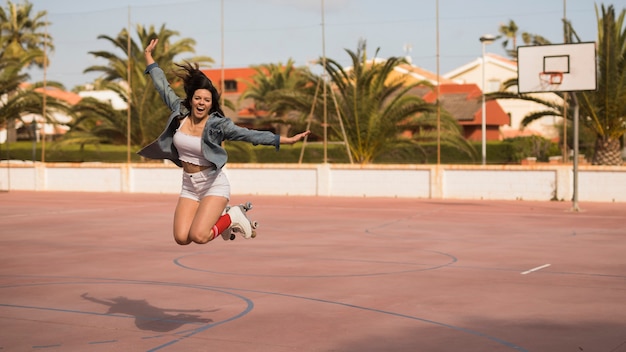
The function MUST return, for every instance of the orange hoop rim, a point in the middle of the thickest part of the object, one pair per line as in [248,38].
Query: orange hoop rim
[551,77]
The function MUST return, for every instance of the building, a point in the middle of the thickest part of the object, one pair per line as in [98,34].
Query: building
[234,82]
[499,69]
[105,96]
[56,126]
[463,101]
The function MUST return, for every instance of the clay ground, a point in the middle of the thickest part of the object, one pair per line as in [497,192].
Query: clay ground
[100,272]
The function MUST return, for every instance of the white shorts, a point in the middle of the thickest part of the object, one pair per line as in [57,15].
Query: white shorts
[209,182]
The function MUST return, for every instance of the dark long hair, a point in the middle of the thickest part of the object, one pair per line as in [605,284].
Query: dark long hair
[194,79]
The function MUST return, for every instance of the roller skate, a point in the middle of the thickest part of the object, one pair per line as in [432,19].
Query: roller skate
[240,222]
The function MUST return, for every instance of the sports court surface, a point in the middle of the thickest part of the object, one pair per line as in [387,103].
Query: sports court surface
[100,272]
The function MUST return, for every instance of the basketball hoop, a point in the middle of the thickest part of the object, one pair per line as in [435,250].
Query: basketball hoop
[556,68]
[551,78]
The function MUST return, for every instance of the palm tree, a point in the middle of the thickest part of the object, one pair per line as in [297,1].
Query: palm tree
[21,45]
[23,33]
[22,99]
[97,121]
[267,82]
[603,111]
[533,39]
[10,80]
[375,105]
[509,31]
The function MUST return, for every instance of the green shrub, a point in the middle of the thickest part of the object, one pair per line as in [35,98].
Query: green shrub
[23,150]
[532,146]
[505,152]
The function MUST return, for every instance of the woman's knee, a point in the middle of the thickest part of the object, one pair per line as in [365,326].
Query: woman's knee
[200,237]
[182,240]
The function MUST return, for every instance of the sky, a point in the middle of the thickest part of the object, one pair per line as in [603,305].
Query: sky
[253,32]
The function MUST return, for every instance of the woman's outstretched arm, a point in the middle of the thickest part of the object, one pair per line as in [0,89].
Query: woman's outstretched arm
[294,139]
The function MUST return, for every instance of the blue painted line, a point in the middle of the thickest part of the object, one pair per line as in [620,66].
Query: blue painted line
[185,334]
[102,342]
[152,337]
[399,315]
[423,267]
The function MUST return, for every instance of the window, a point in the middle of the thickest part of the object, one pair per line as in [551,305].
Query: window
[493,85]
[230,85]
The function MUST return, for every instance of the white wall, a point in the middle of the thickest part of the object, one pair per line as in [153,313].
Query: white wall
[379,182]
[273,180]
[500,184]
[541,182]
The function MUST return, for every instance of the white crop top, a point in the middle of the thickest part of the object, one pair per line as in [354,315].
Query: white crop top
[189,148]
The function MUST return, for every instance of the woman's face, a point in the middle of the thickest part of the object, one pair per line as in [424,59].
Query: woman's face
[201,103]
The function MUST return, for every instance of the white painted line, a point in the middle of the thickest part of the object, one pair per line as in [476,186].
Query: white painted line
[535,269]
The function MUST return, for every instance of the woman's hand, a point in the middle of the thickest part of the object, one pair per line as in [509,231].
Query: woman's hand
[294,139]
[148,51]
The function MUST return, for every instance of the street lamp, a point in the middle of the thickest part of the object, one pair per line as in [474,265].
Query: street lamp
[485,40]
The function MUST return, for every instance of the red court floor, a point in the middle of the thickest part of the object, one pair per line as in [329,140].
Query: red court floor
[100,272]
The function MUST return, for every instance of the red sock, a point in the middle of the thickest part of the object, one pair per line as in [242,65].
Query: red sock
[222,224]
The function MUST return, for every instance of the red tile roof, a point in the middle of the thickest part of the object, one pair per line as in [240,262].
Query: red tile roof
[69,97]
[464,102]
[241,75]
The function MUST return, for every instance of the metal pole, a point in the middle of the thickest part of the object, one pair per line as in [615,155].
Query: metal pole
[439,92]
[222,83]
[129,92]
[45,94]
[484,114]
[575,136]
[34,127]
[324,87]
[565,95]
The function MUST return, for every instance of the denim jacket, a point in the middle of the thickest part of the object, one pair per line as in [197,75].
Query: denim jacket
[217,129]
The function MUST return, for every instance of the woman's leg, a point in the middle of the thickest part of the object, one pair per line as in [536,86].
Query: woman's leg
[208,212]
[183,218]
[204,196]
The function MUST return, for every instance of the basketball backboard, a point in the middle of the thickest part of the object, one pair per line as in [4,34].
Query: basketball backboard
[556,68]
